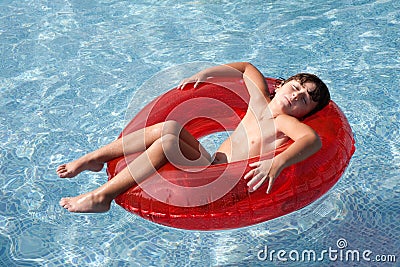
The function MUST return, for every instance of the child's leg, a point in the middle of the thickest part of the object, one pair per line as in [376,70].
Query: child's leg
[132,143]
[160,152]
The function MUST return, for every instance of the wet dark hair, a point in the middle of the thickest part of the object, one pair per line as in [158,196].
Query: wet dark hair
[321,93]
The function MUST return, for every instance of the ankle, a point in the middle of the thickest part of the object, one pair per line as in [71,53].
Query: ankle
[94,157]
[102,198]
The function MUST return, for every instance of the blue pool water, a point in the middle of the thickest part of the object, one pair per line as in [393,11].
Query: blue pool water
[69,68]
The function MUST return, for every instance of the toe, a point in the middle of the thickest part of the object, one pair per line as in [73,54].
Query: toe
[64,201]
[71,209]
[64,173]
[61,167]
[61,171]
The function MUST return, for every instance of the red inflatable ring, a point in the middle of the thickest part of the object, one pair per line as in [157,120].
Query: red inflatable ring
[296,187]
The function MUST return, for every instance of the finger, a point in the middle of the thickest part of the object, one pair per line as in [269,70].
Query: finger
[249,174]
[255,164]
[180,84]
[197,83]
[271,181]
[184,85]
[252,172]
[260,182]
[255,179]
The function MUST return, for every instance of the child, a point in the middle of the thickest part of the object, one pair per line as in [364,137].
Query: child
[267,124]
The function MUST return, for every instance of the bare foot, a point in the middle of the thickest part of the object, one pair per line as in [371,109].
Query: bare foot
[73,168]
[89,202]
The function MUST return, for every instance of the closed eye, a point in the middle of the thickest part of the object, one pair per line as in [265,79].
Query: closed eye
[297,89]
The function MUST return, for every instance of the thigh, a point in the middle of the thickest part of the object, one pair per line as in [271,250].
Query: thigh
[177,151]
[175,128]
[141,139]
[197,156]
[191,141]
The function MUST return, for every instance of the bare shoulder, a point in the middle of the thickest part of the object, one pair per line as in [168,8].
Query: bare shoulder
[285,120]
[292,127]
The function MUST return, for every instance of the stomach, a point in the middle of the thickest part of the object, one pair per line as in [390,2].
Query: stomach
[242,150]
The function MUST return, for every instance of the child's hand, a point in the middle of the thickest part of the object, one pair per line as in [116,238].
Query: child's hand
[196,79]
[263,170]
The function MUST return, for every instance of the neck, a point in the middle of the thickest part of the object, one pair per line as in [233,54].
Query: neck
[273,110]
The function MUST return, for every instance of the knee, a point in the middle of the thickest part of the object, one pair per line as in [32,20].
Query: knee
[171,127]
[169,142]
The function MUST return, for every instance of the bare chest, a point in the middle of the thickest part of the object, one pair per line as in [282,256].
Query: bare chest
[253,137]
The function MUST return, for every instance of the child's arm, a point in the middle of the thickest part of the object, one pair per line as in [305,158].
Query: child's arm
[253,78]
[306,143]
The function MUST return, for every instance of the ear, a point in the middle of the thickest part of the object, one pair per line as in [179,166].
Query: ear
[280,85]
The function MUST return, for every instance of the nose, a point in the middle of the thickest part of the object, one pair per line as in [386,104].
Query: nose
[297,94]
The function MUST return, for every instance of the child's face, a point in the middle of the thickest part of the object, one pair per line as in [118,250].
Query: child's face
[294,99]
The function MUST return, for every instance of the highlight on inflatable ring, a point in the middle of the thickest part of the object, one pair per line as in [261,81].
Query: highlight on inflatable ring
[216,197]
